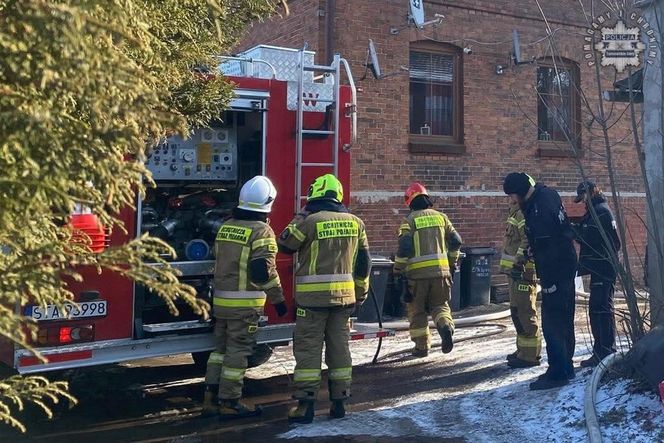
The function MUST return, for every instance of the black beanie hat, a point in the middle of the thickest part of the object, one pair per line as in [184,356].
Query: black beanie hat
[517,183]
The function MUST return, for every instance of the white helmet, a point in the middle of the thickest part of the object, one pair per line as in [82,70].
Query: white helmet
[257,195]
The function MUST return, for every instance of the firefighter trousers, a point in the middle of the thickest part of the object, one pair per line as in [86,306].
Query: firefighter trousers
[313,327]
[558,303]
[602,322]
[235,341]
[523,299]
[431,296]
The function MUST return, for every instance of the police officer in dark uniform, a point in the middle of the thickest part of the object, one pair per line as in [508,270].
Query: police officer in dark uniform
[596,258]
[550,236]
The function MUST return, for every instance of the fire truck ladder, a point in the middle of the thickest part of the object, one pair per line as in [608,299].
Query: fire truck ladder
[331,72]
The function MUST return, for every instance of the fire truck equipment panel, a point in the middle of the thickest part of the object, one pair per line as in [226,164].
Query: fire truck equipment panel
[208,154]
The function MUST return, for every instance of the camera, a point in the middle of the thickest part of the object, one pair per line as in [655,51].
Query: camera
[468,50]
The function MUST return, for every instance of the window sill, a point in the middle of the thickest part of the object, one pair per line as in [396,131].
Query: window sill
[561,149]
[434,145]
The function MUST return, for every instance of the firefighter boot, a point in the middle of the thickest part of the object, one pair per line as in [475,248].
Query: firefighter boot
[337,410]
[236,409]
[544,383]
[419,353]
[302,413]
[210,401]
[517,362]
[591,362]
[447,343]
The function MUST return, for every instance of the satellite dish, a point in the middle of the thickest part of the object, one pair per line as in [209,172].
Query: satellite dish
[372,60]
[516,48]
[417,12]
[372,64]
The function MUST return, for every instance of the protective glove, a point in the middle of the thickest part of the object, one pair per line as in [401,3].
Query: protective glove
[453,268]
[281,309]
[529,275]
[361,294]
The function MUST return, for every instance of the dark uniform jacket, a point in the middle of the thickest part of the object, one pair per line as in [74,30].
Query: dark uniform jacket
[595,254]
[550,236]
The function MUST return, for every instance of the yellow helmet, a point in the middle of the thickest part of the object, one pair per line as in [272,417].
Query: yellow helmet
[326,186]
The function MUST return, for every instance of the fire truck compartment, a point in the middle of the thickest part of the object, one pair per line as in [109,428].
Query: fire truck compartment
[198,180]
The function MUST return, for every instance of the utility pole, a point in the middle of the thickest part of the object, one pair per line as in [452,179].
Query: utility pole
[653,138]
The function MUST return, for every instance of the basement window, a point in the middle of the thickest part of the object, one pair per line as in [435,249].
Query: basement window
[436,98]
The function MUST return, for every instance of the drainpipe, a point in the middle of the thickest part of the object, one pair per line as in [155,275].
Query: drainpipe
[330,12]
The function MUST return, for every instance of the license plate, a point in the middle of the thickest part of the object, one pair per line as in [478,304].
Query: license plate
[69,311]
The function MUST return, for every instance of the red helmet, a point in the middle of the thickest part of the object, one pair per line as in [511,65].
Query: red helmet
[413,191]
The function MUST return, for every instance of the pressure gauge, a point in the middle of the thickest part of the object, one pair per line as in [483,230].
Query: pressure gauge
[187,155]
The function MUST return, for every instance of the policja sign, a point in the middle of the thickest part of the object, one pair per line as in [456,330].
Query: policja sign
[620,45]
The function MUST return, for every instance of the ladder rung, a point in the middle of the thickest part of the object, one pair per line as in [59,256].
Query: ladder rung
[317,164]
[317,132]
[320,68]
[318,100]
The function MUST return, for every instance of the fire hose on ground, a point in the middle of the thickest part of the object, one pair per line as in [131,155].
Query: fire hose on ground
[459,323]
[403,325]
[592,422]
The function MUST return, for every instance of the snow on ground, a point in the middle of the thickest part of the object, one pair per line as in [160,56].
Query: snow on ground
[625,414]
[497,409]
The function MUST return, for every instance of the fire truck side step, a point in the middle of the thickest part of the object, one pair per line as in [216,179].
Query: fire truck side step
[176,326]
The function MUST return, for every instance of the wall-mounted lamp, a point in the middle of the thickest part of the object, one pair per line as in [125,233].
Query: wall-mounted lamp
[500,69]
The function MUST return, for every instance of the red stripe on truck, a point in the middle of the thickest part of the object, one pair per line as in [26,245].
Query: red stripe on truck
[55,358]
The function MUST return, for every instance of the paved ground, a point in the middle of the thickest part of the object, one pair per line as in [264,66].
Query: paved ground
[441,398]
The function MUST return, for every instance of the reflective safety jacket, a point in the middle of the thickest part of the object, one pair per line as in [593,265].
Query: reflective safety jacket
[236,288]
[330,247]
[428,243]
[515,245]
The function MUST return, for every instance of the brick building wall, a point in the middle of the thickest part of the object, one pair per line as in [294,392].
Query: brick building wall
[498,110]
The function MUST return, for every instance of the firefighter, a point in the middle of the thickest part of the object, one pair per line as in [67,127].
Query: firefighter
[523,290]
[332,275]
[596,259]
[245,275]
[550,239]
[427,255]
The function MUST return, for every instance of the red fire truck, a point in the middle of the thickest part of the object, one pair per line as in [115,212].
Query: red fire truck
[291,120]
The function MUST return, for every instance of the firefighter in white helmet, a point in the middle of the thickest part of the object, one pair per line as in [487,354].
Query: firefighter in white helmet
[245,275]
[332,276]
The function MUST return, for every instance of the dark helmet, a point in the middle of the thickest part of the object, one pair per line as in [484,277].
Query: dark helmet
[518,183]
